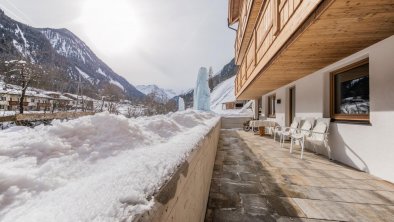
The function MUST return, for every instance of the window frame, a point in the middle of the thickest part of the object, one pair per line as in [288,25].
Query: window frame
[363,118]
[271,106]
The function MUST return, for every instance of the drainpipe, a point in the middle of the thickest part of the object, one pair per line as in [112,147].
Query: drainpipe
[229,26]
[256,109]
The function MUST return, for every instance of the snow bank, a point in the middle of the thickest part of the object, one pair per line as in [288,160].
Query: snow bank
[95,168]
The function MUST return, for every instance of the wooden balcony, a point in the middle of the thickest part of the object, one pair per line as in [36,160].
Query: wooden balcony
[290,39]
[16,103]
[47,105]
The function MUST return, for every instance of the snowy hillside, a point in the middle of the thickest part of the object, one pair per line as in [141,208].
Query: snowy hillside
[95,168]
[225,92]
[63,55]
[222,93]
[162,95]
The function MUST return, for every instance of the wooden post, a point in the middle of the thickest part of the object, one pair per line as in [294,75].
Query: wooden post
[275,17]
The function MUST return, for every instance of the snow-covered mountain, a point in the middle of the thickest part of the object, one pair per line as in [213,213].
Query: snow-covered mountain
[162,95]
[225,92]
[222,93]
[229,70]
[65,57]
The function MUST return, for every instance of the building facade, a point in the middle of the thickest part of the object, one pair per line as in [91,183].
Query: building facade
[331,59]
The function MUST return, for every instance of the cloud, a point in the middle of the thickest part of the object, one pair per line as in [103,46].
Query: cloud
[176,36]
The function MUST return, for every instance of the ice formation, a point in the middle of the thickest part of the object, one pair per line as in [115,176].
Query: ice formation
[181,104]
[202,94]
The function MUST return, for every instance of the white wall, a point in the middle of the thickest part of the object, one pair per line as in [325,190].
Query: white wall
[369,148]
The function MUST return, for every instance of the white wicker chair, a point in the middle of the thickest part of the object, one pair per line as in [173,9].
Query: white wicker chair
[288,131]
[301,133]
[319,135]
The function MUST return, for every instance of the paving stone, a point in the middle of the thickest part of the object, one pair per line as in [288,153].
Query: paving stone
[237,216]
[226,201]
[249,177]
[256,180]
[230,187]
[256,204]
[233,176]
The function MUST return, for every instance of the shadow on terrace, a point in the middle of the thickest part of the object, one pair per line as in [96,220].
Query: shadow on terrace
[256,180]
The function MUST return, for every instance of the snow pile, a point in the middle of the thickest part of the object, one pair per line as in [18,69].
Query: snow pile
[202,93]
[96,168]
[225,92]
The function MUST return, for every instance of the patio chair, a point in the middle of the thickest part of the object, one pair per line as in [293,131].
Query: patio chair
[319,135]
[301,133]
[271,127]
[288,131]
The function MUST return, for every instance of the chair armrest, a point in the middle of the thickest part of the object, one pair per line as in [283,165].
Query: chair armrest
[320,133]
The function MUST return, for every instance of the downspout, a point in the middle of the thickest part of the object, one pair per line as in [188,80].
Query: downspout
[229,26]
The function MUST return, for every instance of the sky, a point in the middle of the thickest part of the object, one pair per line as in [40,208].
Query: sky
[162,42]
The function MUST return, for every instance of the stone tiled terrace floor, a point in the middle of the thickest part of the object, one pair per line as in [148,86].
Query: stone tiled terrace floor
[256,180]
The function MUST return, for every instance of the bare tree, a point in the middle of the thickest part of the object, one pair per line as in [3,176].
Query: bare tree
[23,74]
[111,96]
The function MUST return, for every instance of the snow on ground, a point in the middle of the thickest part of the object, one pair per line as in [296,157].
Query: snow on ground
[225,92]
[95,168]
[100,71]
[116,83]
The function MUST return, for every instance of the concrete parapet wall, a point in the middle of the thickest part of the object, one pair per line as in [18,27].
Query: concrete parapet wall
[44,116]
[233,122]
[184,197]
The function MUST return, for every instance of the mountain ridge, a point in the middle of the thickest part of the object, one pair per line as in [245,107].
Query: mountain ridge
[67,59]
[228,71]
[162,95]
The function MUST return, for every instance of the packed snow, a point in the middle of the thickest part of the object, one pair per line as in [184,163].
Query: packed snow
[202,93]
[96,168]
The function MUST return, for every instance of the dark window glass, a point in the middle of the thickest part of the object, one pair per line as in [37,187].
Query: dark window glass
[239,105]
[352,91]
[271,106]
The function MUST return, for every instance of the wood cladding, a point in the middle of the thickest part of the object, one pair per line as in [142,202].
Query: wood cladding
[312,34]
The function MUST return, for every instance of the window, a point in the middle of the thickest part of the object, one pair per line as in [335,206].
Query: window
[350,92]
[3,98]
[32,100]
[1,106]
[271,105]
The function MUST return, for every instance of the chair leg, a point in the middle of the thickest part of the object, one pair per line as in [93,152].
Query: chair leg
[291,145]
[328,150]
[302,147]
[281,140]
[274,135]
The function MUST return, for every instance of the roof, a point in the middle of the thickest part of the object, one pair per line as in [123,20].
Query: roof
[74,97]
[28,93]
[234,8]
